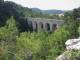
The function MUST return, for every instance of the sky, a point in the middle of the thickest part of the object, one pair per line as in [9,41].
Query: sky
[49,4]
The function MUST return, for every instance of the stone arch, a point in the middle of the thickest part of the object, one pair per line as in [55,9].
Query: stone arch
[41,25]
[35,26]
[54,27]
[47,26]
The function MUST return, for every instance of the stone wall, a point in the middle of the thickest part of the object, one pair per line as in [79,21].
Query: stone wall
[44,24]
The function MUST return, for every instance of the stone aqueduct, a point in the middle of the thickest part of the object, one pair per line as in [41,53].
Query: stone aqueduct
[50,25]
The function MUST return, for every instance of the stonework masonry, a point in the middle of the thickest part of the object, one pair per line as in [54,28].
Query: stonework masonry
[50,25]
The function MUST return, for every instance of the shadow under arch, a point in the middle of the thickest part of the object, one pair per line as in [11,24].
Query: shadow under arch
[30,26]
[47,25]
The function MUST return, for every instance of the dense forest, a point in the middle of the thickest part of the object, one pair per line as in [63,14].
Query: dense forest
[18,43]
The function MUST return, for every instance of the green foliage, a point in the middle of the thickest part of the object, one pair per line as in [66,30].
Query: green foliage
[76,13]
[57,42]
[9,31]
[72,55]
[79,31]
[41,46]
[28,41]
[7,39]
[71,23]
[27,44]
[15,44]
[35,46]
[30,46]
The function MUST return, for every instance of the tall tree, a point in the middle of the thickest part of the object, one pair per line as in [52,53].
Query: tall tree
[72,23]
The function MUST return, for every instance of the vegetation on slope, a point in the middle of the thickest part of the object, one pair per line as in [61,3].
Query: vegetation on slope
[18,44]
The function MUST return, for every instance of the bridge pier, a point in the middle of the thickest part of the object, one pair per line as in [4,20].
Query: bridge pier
[35,26]
[48,25]
[40,26]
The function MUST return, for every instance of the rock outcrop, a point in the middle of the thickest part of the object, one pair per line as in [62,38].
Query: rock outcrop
[73,44]
[65,56]
[72,49]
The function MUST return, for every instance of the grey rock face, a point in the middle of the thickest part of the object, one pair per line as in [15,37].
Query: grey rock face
[73,50]
[73,44]
[64,56]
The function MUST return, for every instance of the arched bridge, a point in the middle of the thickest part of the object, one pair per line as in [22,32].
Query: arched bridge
[36,24]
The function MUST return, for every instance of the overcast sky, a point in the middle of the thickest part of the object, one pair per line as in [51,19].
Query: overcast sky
[49,4]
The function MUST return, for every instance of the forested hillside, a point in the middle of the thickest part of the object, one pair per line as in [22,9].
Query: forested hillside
[18,43]
[52,11]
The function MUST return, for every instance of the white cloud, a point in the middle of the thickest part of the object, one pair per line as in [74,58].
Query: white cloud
[49,4]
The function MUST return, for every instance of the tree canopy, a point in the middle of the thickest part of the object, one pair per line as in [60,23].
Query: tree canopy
[18,43]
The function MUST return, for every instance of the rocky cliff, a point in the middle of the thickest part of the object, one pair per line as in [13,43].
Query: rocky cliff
[72,50]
